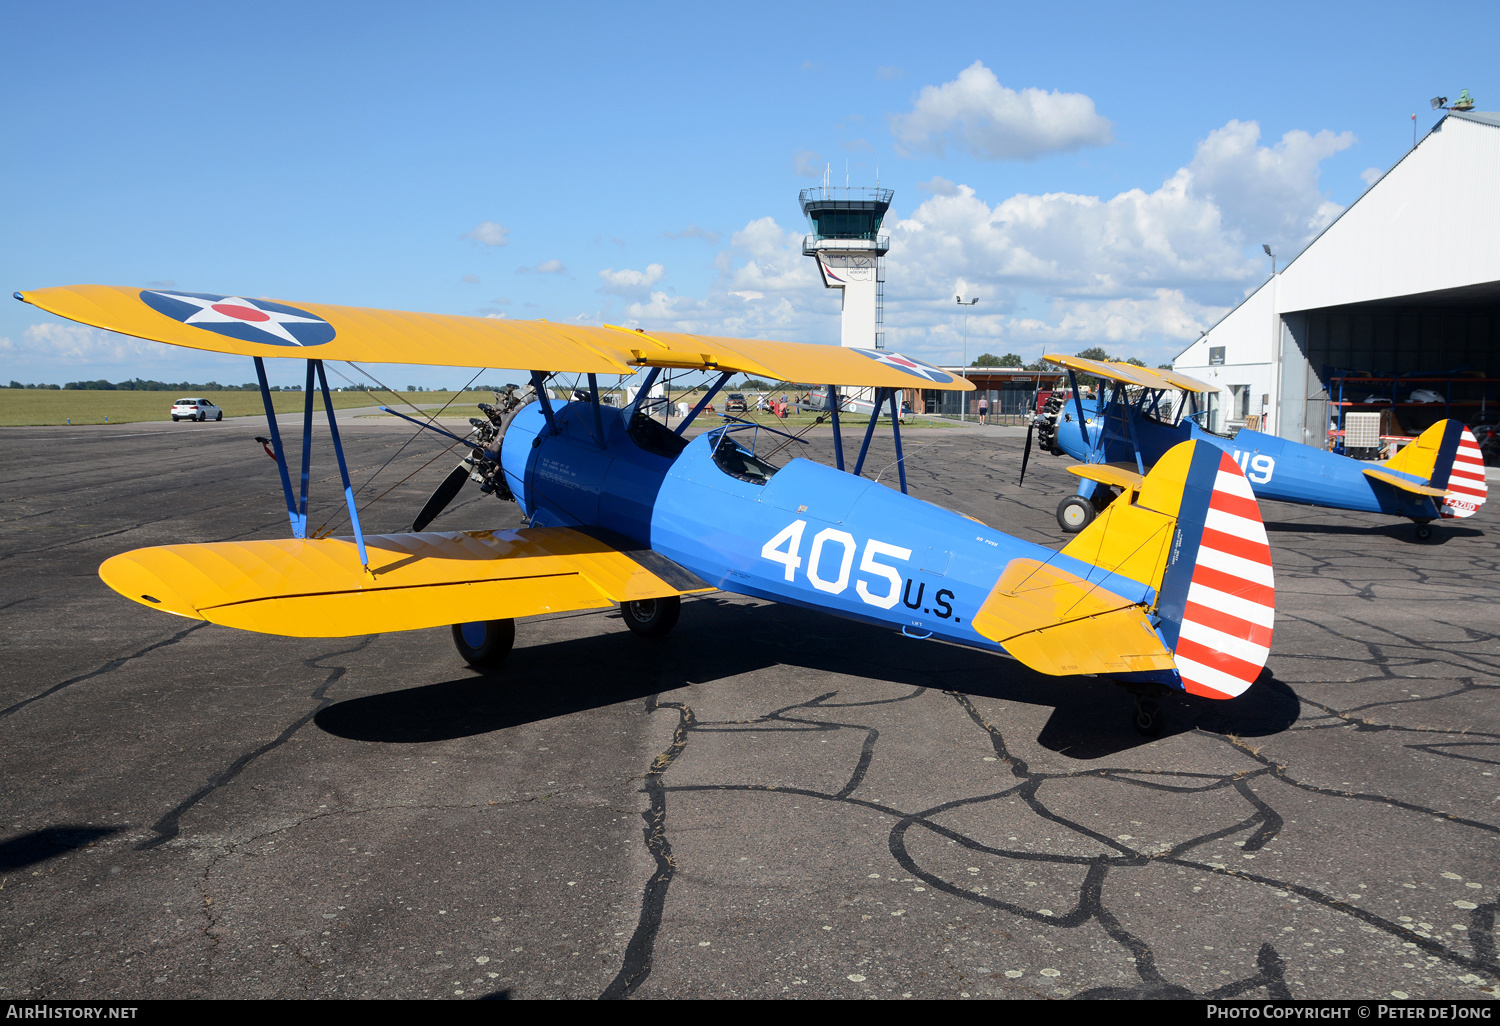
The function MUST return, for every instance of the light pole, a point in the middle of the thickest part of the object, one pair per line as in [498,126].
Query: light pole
[1276,354]
[964,409]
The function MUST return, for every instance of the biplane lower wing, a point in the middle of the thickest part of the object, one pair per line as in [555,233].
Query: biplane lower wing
[317,587]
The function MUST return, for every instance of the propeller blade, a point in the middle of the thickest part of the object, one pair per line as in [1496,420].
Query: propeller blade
[1026,454]
[444,495]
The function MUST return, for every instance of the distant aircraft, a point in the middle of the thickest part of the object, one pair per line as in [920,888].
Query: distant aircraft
[1171,588]
[1129,426]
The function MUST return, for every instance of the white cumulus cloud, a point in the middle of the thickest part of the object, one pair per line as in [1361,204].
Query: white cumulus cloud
[1139,272]
[629,283]
[489,233]
[80,344]
[994,122]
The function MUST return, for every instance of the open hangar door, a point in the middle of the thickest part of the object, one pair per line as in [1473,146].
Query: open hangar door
[1415,359]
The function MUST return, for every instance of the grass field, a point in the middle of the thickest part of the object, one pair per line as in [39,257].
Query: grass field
[38,406]
[25,407]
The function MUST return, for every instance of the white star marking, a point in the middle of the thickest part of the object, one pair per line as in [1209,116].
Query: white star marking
[238,310]
[906,364]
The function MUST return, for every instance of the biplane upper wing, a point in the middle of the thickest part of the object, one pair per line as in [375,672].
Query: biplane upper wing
[1126,372]
[317,588]
[273,328]
[1130,374]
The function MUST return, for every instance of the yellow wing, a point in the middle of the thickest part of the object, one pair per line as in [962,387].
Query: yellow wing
[317,588]
[1130,374]
[274,328]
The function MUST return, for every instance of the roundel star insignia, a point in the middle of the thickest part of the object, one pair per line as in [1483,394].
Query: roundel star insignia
[249,320]
[916,368]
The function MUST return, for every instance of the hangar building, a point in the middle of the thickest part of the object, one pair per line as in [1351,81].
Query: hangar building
[1398,297]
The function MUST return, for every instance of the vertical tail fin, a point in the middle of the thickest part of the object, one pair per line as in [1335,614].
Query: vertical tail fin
[1447,456]
[1215,591]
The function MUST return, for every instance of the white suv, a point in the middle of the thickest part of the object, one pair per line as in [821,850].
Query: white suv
[195,409]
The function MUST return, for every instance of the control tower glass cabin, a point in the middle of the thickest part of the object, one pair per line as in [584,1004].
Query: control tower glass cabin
[848,246]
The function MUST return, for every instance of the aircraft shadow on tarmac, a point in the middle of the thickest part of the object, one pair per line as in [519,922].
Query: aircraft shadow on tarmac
[717,640]
[1441,532]
[48,843]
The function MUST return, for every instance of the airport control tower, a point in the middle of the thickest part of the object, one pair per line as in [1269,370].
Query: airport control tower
[848,246]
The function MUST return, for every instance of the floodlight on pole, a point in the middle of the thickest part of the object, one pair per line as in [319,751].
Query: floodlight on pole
[964,409]
[1267,247]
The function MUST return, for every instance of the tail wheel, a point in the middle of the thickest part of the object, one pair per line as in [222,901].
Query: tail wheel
[1147,719]
[484,643]
[1424,531]
[1075,513]
[652,618]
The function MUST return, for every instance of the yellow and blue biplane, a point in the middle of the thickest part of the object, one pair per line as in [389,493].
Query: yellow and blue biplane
[1137,417]
[1170,588]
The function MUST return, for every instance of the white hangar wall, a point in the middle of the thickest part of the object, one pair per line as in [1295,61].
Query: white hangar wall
[1406,281]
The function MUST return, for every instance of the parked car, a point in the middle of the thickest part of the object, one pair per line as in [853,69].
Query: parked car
[195,409]
[736,404]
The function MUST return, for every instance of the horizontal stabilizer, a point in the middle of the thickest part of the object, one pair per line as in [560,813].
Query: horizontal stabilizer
[318,589]
[1056,622]
[1402,483]
[1446,456]
[1191,533]
[1109,474]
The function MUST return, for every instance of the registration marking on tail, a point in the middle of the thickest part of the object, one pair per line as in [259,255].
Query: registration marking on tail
[1466,479]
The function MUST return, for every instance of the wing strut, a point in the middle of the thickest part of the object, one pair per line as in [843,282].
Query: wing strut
[300,531]
[896,430]
[869,431]
[539,383]
[338,450]
[703,405]
[286,481]
[838,435]
[296,508]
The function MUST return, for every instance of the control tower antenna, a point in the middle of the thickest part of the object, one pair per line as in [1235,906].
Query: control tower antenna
[848,246]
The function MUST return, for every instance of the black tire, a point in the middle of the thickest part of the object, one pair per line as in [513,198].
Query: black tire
[219,415]
[484,643]
[1075,513]
[1424,532]
[652,618]
[176,419]
[202,416]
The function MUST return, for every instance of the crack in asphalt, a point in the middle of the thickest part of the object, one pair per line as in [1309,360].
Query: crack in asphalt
[109,667]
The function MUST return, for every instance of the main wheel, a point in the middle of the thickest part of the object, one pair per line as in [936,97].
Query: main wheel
[1424,532]
[484,643]
[652,618]
[1075,513]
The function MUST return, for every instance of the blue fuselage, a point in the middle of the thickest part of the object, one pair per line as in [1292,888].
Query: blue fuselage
[1276,468]
[809,535]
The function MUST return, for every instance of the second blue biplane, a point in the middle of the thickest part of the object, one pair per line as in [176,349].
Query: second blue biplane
[1170,588]
[1137,417]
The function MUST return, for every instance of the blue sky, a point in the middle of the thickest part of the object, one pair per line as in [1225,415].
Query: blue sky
[1095,174]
